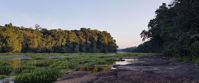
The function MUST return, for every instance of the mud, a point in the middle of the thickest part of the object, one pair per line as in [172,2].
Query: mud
[145,69]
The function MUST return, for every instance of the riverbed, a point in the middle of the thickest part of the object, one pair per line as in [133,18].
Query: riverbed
[144,69]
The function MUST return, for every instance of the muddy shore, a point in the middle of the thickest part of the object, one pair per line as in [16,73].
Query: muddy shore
[146,69]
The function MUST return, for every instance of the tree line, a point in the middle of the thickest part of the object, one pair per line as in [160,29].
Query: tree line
[174,31]
[14,39]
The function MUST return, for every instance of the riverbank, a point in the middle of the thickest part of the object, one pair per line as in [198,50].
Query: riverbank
[145,69]
[47,67]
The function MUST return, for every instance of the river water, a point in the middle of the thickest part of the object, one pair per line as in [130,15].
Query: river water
[124,62]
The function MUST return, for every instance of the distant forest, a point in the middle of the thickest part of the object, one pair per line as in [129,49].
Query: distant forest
[174,31]
[14,39]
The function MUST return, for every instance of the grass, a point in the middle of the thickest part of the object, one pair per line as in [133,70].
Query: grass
[49,66]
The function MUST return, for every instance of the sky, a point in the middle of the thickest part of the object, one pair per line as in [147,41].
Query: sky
[124,19]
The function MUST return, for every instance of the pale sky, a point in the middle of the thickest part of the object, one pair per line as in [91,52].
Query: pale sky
[124,19]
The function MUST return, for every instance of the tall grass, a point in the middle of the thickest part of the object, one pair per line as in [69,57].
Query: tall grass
[40,75]
[39,68]
[5,70]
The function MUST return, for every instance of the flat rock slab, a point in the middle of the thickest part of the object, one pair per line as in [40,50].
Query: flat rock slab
[147,69]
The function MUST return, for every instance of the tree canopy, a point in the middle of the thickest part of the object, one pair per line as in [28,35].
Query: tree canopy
[20,39]
[175,29]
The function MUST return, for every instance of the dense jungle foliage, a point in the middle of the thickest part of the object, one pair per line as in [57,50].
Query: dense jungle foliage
[15,39]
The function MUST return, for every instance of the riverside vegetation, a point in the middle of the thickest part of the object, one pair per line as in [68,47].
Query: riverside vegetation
[174,31]
[47,67]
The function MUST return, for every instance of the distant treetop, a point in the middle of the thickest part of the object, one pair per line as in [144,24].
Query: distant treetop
[21,39]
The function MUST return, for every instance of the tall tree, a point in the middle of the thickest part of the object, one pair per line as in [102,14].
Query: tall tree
[175,29]
[21,39]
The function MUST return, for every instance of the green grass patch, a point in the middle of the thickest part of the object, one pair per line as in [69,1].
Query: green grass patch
[39,75]
[47,67]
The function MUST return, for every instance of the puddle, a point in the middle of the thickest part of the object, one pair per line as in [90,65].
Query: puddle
[124,62]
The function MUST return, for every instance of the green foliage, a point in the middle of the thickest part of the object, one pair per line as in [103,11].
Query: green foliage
[174,31]
[40,63]
[106,68]
[2,77]
[15,63]
[2,63]
[47,69]
[15,39]
[22,69]
[64,64]
[5,70]
[40,75]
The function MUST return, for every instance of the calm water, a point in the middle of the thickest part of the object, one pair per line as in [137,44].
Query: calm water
[124,62]
[123,52]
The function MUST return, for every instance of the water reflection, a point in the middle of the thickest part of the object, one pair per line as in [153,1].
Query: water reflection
[123,62]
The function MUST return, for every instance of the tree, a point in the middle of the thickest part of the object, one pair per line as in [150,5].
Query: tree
[21,39]
[174,30]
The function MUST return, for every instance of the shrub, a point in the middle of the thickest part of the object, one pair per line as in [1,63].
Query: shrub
[95,69]
[15,63]
[2,63]
[5,70]
[41,75]
[2,76]
[107,68]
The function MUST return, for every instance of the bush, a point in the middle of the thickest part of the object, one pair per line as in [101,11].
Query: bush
[2,63]
[2,76]
[41,75]
[15,63]
[5,70]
